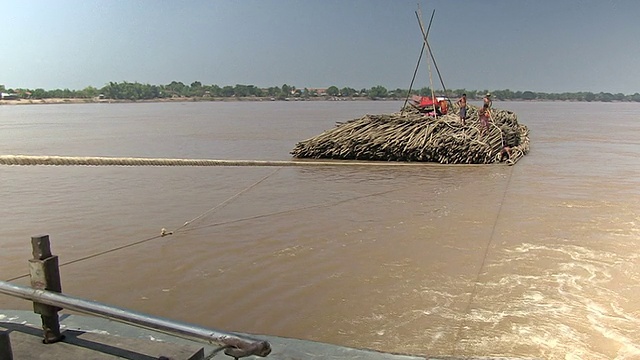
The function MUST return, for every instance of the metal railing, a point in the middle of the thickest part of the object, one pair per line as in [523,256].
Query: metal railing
[48,301]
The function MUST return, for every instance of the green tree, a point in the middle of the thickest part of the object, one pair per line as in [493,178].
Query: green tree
[400,93]
[150,92]
[425,91]
[528,95]
[377,92]
[286,91]
[347,91]
[241,90]
[457,93]
[228,91]
[246,90]
[39,93]
[196,89]
[89,92]
[107,90]
[177,88]
[605,97]
[273,91]
[214,90]
[503,94]
[254,90]
[333,91]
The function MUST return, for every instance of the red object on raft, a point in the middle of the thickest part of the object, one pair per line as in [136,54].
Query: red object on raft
[427,103]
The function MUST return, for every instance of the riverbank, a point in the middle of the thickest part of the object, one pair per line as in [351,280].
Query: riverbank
[53,101]
[176,99]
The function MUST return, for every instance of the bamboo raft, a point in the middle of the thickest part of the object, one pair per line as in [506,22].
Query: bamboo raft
[411,135]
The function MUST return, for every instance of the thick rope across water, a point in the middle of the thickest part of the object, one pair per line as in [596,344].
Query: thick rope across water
[25,160]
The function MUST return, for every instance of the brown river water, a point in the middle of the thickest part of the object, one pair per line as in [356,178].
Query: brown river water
[540,259]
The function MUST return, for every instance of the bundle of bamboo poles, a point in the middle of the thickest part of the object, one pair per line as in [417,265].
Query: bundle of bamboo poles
[411,135]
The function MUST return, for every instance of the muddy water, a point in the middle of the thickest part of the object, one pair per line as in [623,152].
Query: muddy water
[540,259]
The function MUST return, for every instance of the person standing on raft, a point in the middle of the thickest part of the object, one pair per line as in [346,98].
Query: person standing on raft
[487,101]
[462,102]
[485,113]
[484,119]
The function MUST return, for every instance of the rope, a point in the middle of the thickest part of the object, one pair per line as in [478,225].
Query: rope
[219,206]
[474,291]
[302,208]
[163,232]
[132,161]
[95,255]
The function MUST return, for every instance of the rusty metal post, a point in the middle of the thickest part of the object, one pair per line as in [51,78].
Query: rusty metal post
[5,346]
[45,275]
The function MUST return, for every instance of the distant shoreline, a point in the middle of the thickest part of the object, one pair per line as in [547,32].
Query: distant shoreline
[55,101]
[172,100]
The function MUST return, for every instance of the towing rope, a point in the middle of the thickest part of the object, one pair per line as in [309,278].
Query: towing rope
[164,232]
[132,161]
[481,269]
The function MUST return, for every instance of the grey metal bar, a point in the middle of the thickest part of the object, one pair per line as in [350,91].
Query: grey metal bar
[243,346]
[5,346]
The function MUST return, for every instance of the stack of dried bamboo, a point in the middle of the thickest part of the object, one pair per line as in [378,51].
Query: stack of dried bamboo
[411,136]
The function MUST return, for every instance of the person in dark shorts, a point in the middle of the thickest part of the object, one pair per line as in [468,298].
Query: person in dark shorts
[487,101]
[484,115]
[462,102]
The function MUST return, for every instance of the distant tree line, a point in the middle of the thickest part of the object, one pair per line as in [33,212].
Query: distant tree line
[137,91]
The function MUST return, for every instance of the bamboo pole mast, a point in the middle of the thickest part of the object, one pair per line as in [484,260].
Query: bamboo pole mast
[424,35]
[413,79]
[415,72]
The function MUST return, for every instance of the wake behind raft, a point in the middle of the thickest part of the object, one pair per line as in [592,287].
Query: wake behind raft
[422,133]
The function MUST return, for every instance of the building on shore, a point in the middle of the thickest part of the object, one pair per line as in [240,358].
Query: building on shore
[8,96]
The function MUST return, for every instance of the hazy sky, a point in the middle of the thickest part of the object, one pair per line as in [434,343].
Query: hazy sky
[541,45]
